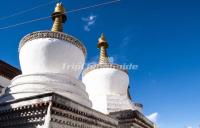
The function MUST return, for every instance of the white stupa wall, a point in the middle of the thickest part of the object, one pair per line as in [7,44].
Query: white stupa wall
[4,82]
[50,62]
[107,89]
[118,103]
[48,55]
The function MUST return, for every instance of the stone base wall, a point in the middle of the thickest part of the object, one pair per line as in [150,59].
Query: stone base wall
[27,116]
[51,111]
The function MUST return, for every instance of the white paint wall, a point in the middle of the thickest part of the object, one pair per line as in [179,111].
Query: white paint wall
[49,65]
[104,83]
[48,55]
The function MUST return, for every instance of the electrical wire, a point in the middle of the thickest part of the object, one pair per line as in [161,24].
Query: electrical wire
[93,6]
[71,11]
[27,10]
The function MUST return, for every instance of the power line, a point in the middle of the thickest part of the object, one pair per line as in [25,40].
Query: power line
[71,11]
[93,6]
[26,22]
[27,10]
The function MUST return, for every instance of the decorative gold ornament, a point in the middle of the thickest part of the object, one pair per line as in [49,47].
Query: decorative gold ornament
[103,45]
[59,18]
[103,59]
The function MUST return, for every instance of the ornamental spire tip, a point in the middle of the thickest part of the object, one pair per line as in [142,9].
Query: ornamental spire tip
[59,17]
[103,45]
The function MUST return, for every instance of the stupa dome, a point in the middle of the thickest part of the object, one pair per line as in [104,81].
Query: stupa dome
[109,79]
[51,61]
[107,83]
[51,52]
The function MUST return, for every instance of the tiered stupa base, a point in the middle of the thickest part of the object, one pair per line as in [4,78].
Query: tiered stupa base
[51,111]
[119,103]
[30,85]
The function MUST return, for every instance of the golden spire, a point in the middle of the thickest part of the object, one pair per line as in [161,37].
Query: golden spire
[103,45]
[58,17]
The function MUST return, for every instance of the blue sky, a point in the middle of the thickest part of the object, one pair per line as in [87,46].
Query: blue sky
[160,36]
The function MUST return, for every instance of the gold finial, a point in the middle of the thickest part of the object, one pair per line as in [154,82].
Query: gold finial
[58,17]
[103,45]
[102,41]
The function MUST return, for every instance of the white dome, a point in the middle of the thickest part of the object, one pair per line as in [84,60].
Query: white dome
[106,80]
[51,52]
[107,86]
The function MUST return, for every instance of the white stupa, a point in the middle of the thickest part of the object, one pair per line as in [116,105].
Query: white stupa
[49,94]
[47,60]
[107,84]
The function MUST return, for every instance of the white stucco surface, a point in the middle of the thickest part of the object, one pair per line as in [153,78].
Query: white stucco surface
[106,80]
[104,83]
[49,65]
[34,84]
[50,55]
